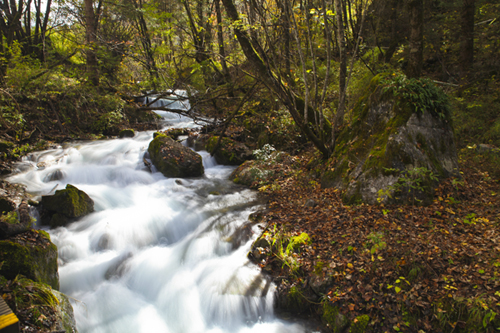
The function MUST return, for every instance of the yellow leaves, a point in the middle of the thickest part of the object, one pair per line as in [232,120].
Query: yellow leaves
[349,265]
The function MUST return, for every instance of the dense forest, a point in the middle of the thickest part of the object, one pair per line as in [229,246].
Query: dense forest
[295,76]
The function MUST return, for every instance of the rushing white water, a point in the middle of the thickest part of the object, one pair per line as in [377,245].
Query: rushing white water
[156,255]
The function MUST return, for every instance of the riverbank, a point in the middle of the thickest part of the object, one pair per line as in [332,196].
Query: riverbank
[409,268]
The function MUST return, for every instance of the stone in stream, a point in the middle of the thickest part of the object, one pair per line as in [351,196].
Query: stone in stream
[229,152]
[66,205]
[173,159]
[126,133]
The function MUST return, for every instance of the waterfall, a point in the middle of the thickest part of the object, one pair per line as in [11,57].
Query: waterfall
[157,254]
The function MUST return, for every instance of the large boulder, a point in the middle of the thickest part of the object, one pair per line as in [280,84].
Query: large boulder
[31,254]
[229,152]
[39,307]
[173,159]
[397,148]
[65,206]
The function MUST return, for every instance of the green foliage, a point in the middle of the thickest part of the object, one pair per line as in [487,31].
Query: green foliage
[376,242]
[412,180]
[421,94]
[474,313]
[10,217]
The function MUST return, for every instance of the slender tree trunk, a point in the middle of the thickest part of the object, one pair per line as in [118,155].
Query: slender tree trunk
[272,80]
[339,117]
[91,32]
[220,40]
[467,44]
[415,57]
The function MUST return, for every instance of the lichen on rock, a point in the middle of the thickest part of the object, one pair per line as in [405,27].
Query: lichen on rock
[387,139]
[173,159]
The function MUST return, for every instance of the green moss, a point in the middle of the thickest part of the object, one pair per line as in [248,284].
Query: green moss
[37,262]
[127,133]
[359,324]
[333,318]
[70,202]
[174,160]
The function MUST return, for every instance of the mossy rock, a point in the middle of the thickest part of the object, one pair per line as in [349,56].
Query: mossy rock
[15,222]
[333,319]
[66,205]
[359,324]
[39,306]
[229,152]
[251,173]
[173,159]
[31,254]
[385,140]
[126,133]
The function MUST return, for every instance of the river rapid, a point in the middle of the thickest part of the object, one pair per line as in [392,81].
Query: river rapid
[158,254]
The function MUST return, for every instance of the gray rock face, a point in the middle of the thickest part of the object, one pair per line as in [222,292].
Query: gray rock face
[388,150]
[173,159]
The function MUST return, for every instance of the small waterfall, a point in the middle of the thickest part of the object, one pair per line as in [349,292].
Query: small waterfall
[156,255]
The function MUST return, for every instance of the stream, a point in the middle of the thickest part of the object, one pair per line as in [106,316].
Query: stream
[158,254]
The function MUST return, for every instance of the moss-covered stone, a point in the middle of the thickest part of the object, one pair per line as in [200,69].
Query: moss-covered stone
[359,324]
[31,254]
[38,306]
[173,159]
[229,152]
[385,139]
[333,319]
[66,205]
[126,133]
[251,173]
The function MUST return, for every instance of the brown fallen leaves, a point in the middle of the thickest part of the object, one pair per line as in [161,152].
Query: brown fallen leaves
[409,268]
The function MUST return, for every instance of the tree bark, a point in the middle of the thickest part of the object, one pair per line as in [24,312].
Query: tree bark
[91,33]
[269,78]
[339,117]
[415,56]
[467,44]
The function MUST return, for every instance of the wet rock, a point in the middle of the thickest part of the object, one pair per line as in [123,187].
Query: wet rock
[197,141]
[54,176]
[15,222]
[229,152]
[38,305]
[31,254]
[126,133]
[65,206]
[173,159]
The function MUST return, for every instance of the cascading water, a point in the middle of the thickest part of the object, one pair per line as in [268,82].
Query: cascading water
[158,254]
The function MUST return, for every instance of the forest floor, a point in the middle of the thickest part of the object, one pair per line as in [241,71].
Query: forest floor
[410,268]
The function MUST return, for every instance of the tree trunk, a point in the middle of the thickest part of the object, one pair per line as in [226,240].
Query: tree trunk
[467,44]
[274,82]
[415,57]
[339,117]
[91,32]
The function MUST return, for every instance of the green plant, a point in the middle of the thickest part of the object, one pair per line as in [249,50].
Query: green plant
[376,242]
[421,94]
[413,181]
